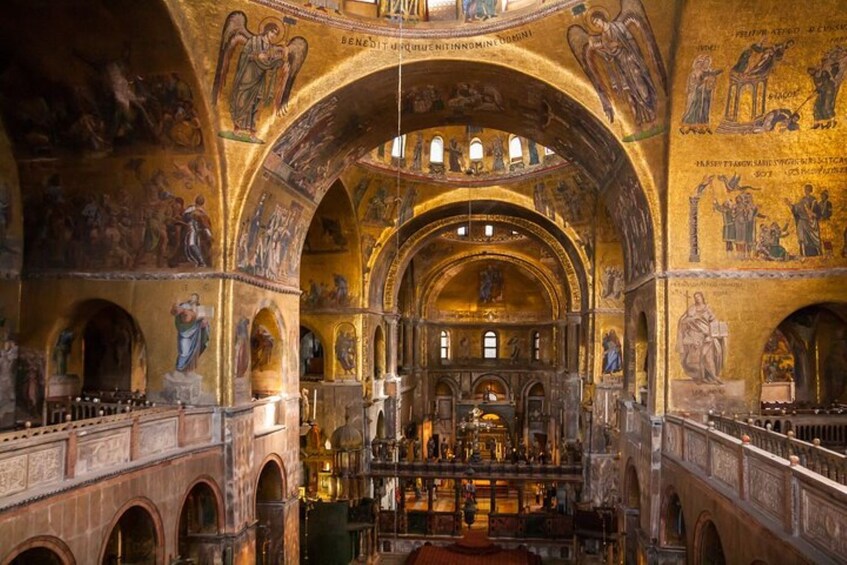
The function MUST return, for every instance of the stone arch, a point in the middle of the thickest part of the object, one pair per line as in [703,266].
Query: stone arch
[46,550]
[94,333]
[307,174]
[816,335]
[309,349]
[267,351]
[201,514]
[566,253]
[444,273]
[708,549]
[502,383]
[379,353]
[632,487]
[135,515]
[271,493]
[672,522]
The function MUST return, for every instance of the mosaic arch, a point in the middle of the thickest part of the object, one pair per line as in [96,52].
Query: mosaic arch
[342,127]
[424,228]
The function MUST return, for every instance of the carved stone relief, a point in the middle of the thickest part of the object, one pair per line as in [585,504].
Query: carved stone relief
[157,437]
[695,449]
[97,453]
[725,466]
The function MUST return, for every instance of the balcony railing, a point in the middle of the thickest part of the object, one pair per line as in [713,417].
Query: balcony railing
[796,502]
[51,458]
[812,456]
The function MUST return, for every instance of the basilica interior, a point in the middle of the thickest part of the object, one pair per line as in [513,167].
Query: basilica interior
[423,281]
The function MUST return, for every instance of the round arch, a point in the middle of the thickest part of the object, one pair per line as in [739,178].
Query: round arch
[632,487]
[443,273]
[271,492]
[134,515]
[99,346]
[315,147]
[567,255]
[312,354]
[708,549]
[201,512]
[672,524]
[812,357]
[25,552]
[504,385]
[267,334]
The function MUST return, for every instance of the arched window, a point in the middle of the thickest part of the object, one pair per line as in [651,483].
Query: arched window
[488,230]
[476,151]
[489,345]
[536,346]
[398,147]
[444,349]
[436,150]
[515,149]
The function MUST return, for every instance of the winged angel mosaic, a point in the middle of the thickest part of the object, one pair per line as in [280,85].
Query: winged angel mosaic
[621,58]
[265,73]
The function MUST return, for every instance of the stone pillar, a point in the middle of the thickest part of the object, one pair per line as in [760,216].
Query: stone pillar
[417,344]
[520,497]
[457,488]
[493,497]
[572,337]
[391,346]
[572,389]
[561,344]
[430,494]
[401,484]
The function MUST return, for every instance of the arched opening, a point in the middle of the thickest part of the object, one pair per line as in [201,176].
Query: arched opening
[40,550]
[631,513]
[806,355]
[673,521]
[535,420]
[436,151]
[491,389]
[709,548]
[97,364]
[311,355]
[107,343]
[266,349]
[379,353]
[37,556]
[444,345]
[642,360]
[515,152]
[133,539]
[490,345]
[380,425]
[199,524]
[270,515]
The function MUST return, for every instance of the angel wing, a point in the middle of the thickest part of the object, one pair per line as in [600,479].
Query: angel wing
[633,16]
[580,42]
[234,35]
[298,47]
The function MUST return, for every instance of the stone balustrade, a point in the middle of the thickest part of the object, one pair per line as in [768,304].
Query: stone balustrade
[40,461]
[784,494]
[827,425]
[812,456]
[481,470]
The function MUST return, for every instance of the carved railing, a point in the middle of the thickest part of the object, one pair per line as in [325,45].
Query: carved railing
[812,456]
[827,425]
[534,525]
[785,496]
[482,470]
[51,458]
[74,409]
